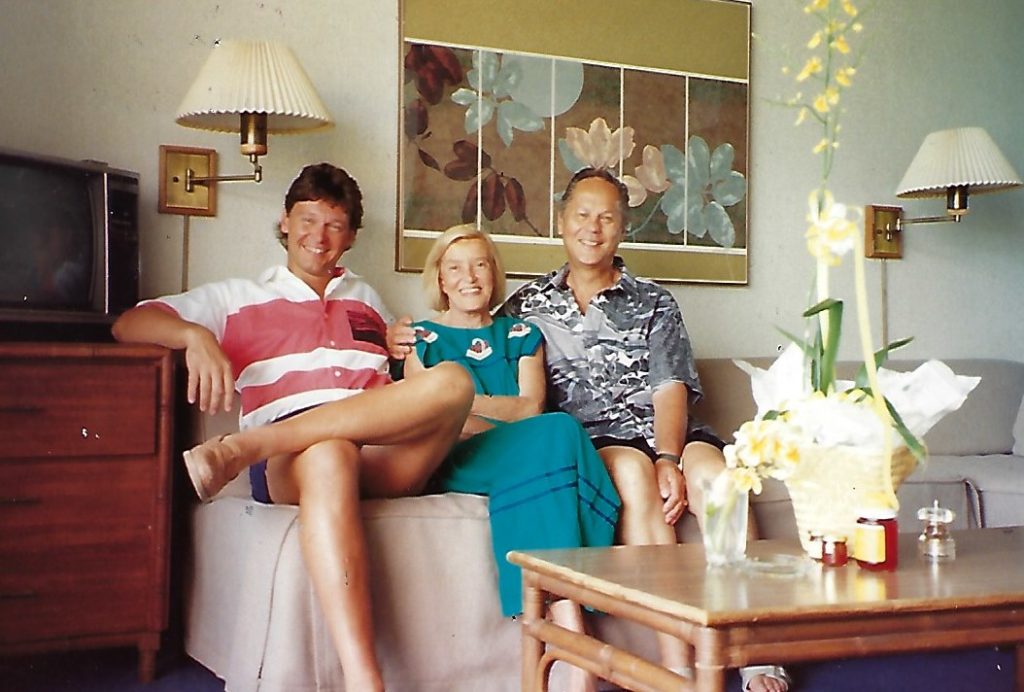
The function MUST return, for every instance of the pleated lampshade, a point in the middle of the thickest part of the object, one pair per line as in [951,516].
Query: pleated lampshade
[960,157]
[252,77]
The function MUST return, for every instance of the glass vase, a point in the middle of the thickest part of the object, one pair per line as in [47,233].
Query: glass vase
[725,522]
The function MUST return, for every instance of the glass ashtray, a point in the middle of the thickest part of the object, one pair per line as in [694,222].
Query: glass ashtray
[779,565]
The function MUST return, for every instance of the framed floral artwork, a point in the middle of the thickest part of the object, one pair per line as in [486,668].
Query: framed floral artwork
[502,103]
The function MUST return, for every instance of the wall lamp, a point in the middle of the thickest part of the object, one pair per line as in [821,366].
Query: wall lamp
[249,87]
[953,163]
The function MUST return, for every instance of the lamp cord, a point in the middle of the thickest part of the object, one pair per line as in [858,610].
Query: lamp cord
[884,276]
[186,219]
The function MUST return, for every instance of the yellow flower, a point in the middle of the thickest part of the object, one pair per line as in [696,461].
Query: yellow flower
[816,6]
[821,103]
[801,116]
[815,40]
[820,146]
[849,9]
[811,67]
[844,74]
[830,234]
[840,44]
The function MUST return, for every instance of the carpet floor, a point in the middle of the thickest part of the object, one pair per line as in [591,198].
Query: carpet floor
[114,670]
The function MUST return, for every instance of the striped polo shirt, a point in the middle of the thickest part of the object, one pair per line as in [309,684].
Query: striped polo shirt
[290,349]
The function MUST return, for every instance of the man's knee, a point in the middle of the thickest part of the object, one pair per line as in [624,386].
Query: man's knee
[329,460]
[633,474]
[452,384]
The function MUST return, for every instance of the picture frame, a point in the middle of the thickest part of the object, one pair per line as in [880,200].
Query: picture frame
[501,104]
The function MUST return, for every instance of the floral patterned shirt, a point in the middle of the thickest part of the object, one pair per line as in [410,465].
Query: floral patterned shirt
[604,366]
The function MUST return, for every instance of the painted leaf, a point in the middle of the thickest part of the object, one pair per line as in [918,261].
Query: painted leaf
[492,197]
[521,116]
[414,57]
[571,161]
[429,84]
[447,63]
[505,130]
[673,203]
[416,119]
[508,77]
[466,150]
[730,189]
[459,169]
[484,72]
[675,163]
[428,160]
[479,114]
[719,225]
[721,161]
[698,158]
[469,206]
[464,96]
[516,199]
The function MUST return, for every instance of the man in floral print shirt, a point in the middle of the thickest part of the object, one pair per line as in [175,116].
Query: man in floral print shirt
[618,358]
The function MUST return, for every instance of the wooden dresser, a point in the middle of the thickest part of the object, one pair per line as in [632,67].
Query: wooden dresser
[86,437]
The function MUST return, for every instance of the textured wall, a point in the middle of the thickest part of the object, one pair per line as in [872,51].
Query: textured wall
[102,80]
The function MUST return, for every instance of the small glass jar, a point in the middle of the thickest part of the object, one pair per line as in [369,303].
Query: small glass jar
[876,541]
[833,551]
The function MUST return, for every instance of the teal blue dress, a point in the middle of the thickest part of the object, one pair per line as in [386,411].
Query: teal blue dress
[546,485]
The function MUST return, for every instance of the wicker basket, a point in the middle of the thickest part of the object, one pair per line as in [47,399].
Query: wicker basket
[832,483]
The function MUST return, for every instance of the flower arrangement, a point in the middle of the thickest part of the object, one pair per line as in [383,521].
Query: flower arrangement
[808,420]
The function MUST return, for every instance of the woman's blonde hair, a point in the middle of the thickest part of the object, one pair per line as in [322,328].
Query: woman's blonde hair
[436,299]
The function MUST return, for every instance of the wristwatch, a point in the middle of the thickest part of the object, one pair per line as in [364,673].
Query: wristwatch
[674,458]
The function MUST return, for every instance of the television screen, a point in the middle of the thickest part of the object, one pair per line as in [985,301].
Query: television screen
[46,229]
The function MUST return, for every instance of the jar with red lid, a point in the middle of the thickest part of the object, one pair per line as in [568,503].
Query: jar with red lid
[876,539]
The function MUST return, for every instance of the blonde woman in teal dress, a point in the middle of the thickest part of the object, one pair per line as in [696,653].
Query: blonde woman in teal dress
[547,486]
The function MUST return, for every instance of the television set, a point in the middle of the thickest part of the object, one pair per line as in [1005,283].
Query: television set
[69,246]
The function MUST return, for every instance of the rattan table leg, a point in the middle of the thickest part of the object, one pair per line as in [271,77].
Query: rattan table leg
[534,600]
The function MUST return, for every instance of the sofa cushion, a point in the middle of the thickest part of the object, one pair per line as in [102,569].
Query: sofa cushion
[1018,431]
[985,422]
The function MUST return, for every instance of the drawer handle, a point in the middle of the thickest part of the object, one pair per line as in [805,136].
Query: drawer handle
[19,501]
[18,595]
[23,410]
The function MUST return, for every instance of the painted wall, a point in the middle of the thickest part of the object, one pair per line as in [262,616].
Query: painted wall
[101,79]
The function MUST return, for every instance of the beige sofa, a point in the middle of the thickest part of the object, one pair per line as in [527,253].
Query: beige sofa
[252,619]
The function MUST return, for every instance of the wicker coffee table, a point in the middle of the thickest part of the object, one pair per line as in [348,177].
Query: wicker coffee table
[738,617]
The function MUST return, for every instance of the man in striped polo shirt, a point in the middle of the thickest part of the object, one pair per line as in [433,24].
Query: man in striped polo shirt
[321,423]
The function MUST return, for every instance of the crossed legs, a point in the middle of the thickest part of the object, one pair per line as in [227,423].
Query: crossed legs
[380,443]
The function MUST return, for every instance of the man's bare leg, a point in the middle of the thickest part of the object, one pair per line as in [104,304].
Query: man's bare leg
[327,480]
[702,462]
[417,411]
[324,482]
[569,615]
[642,522]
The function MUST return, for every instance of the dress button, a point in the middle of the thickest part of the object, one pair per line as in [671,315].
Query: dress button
[337,373]
[333,343]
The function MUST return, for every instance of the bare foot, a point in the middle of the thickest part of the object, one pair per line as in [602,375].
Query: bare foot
[209,466]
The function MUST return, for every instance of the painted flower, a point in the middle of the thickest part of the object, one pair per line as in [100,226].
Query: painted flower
[650,176]
[598,147]
[492,82]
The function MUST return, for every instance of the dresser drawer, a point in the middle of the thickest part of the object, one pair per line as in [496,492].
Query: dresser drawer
[109,599]
[75,502]
[77,408]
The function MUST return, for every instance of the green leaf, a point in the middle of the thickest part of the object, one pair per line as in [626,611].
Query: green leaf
[830,347]
[880,357]
[804,346]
